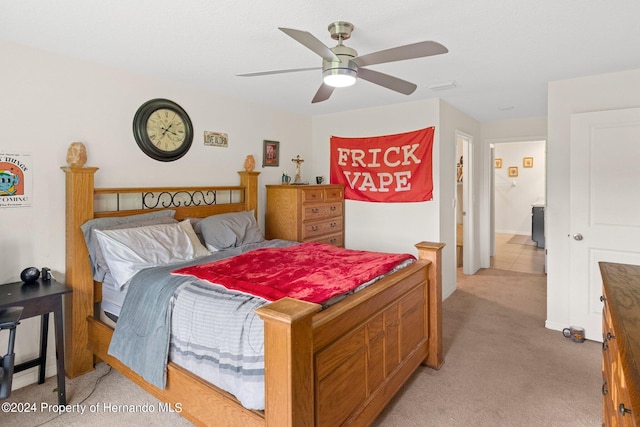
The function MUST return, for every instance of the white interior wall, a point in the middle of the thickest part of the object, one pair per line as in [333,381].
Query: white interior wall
[514,195]
[49,101]
[389,220]
[594,93]
[397,227]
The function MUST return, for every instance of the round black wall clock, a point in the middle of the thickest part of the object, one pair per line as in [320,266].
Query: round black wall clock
[162,130]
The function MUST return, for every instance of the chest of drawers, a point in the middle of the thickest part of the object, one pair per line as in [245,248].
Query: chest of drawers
[621,344]
[305,213]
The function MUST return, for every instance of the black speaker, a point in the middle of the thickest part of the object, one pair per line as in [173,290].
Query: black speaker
[30,274]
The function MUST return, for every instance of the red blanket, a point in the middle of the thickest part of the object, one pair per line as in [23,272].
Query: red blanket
[313,272]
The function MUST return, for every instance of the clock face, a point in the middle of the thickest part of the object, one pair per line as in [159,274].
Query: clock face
[162,130]
[166,130]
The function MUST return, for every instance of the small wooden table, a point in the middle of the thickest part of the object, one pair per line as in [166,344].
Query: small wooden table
[39,299]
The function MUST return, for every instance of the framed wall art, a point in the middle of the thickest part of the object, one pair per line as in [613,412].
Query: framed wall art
[216,139]
[513,171]
[527,162]
[498,163]
[270,153]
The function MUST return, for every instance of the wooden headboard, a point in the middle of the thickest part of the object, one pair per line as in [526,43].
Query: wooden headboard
[84,202]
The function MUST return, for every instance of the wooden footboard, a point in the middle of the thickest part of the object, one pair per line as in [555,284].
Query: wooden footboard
[332,367]
[341,366]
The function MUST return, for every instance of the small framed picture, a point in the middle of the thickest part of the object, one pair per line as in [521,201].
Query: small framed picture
[527,162]
[270,153]
[498,163]
[216,139]
[513,171]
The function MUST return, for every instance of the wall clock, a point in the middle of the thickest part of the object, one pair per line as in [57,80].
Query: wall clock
[163,130]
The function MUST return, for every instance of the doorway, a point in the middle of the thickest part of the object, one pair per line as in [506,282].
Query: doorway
[518,202]
[467,248]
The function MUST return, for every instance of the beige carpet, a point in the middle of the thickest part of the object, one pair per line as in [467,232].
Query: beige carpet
[502,368]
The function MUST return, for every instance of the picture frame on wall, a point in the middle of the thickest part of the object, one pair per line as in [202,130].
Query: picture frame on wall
[527,162]
[513,171]
[216,139]
[270,153]
[498,163]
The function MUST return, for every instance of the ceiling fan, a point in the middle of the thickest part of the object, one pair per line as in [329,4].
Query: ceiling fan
[341,65]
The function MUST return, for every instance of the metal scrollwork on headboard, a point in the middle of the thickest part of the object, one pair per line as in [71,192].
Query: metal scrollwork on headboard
[165,199]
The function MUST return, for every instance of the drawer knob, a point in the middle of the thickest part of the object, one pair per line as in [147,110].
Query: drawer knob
[609,336]
[623,411]
[333,208]
[602,298]
[334,225]
[315,210]
[605,345]
[605,390]
[314,228]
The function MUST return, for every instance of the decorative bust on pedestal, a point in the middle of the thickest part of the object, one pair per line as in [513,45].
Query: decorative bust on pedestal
[249,163]
[76,155]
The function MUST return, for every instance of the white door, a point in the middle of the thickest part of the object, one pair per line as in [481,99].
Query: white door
[605,206]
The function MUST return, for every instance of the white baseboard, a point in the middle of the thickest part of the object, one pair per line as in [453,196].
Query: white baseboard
[554,326]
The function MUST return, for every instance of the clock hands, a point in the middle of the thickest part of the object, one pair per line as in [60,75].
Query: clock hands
[166,129]
[170,131]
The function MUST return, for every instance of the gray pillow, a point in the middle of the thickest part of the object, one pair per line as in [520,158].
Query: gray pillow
[101,223]
[229,230]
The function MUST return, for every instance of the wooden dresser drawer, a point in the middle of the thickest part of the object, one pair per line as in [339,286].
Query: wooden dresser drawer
[322,194]
[310,195]
[333,239]
[318,228]
[327,210]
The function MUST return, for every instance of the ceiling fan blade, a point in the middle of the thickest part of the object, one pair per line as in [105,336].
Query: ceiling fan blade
[385,80]
[290,70]
[323,93]
[400,53]
[311,42]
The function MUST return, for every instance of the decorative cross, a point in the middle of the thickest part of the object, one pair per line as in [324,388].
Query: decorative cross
[298,162]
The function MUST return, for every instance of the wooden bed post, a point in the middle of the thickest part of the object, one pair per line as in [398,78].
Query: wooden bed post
[288,362]
[79,305]
[249,180]
[432,251]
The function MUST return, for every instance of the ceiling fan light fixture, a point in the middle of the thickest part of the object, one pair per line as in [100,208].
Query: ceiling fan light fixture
[339,77]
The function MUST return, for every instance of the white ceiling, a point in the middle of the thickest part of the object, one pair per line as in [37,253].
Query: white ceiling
[501,53]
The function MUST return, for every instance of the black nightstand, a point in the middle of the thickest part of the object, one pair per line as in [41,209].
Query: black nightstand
[39,299]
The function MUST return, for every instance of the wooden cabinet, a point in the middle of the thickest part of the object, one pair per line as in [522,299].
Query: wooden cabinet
[621,344]
[306,213]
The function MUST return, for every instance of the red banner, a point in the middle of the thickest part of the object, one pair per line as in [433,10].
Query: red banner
[391,169]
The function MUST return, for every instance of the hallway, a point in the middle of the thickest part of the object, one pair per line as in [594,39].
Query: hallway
[519,253]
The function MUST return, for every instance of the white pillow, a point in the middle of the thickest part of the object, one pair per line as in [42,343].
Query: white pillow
[130,250]
[198,249]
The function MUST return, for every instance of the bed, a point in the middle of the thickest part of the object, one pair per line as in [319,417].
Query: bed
[334,366]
